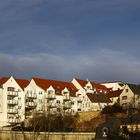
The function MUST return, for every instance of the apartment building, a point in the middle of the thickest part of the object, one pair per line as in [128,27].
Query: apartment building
[12,97]
[130,96]
[93,94]
[127,95]
[51,96]
[21,99]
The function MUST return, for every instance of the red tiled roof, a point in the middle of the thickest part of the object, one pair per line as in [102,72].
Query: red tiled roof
[99,86]
[3,80]
[57,85]
[22,83]
[82,82]
[115,93]
[98,98]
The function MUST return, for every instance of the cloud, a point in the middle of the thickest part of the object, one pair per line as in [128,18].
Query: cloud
[103,66]
[61,39]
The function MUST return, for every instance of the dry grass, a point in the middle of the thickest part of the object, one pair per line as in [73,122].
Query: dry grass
[88,116]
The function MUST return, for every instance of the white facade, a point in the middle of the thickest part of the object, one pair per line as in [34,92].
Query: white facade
[34,99]
[17,104]
[127,97]
[12,98]
[49,101]
[83,102]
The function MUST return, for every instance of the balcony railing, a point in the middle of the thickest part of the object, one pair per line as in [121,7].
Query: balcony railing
[12,102]
[52,105]
[13,120]
[12,93]
[66,98]
[31,95]
[79,99]
[67,106]
[30,104]
[12,111]
[51,96]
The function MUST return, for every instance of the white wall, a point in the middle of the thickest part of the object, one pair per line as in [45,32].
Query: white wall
[20,98]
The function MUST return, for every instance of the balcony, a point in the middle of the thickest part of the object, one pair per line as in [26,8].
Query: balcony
[13,120]
[13,93]
[31,95]
[12,111]
[66,98]
[12,102]
[52,105]
[67,106]
[79,99]
[51,96]
[30,104]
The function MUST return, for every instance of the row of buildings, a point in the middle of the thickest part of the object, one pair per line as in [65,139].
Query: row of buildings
[20,99]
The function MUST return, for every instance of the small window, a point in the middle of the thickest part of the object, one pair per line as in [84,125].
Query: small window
[58,101]
[126,90]
[79,109]
[88,87]
[50,92]
[124,97]
[72,103]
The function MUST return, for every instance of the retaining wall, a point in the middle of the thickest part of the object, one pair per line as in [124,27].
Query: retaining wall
[18,135]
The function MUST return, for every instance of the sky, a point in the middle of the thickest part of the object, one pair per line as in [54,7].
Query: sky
[97,40]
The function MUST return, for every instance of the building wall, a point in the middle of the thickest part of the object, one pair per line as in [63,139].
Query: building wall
[5,99]
[85,104]
[126,97]
[38,101]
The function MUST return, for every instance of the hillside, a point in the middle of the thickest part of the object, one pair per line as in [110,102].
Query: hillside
[88,121]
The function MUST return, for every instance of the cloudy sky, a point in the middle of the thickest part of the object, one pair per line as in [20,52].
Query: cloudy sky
[62,39]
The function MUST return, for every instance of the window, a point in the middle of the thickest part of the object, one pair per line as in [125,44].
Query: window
[72,103]
[88,87]
[58,101]
[124,97]
[79,109]
[126,90]
[19,98]
[10,89]
[50,92]
[40,93]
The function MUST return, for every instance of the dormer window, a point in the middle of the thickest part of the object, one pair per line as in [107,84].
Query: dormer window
[88,87]
[126,90]
[65,92]
[50,92]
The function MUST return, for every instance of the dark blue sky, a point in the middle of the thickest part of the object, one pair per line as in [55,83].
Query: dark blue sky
[62,39]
